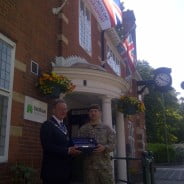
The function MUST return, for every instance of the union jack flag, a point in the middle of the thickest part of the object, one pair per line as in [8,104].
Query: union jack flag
[107,12]
[130,49]
[113,7]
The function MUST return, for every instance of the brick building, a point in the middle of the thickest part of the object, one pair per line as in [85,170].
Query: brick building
[33,39]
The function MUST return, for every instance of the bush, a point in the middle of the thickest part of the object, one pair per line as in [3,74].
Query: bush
[160,152]
[179,152]
[23,174]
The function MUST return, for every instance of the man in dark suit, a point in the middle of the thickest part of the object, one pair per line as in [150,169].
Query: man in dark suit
[57,152]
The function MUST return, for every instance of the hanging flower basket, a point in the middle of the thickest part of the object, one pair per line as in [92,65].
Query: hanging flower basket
[130,110]
[129,105]
[52,85]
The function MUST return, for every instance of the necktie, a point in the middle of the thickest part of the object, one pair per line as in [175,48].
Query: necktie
[63,128]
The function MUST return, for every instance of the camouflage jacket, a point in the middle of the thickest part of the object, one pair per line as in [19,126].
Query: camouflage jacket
[104,135]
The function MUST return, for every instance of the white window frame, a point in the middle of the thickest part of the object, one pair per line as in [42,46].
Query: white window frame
[8,93]
[37,67]
[113,61]
[85,32]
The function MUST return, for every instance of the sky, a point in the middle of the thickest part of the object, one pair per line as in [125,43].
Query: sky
[160,35]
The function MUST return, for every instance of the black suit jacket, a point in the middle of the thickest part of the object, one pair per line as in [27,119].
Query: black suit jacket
[56,162]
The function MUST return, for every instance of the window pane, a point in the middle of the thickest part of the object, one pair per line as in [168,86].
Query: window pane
[85,28]
[87,15]
[113,62]
[8,59]
[2,76]
[5,64]
[6,85]
[8,68]
[9,51]
[3,121]
[7,76]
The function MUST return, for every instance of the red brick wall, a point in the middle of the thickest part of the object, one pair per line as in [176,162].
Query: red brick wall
[33,27]
[71,31]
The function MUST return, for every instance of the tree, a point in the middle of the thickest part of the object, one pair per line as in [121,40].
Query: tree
[163,111]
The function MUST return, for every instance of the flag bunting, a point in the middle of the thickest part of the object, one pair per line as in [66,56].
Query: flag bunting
[107,12]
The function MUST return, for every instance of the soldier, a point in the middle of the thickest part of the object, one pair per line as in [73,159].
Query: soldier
[97,165]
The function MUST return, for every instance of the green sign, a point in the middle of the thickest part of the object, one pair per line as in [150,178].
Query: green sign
[29,108]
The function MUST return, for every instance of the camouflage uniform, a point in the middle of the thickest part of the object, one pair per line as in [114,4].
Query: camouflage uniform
[97,166]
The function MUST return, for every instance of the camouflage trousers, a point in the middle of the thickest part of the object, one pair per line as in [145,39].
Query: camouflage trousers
[97,176]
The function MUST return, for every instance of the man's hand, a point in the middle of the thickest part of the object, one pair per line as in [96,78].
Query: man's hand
[100,148]
[73,151]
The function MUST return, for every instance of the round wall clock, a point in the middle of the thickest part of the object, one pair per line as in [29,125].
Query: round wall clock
[162,79]
[182,85]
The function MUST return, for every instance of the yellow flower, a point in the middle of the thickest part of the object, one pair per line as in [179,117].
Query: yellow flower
[130,104]
[48,82]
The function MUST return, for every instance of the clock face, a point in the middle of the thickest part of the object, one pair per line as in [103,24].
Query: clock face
[182,85]
[162,79]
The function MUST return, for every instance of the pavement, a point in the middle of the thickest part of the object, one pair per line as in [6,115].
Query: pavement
[169,175]
[165,175]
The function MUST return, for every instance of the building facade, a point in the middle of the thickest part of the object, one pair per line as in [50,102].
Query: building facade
[64,37]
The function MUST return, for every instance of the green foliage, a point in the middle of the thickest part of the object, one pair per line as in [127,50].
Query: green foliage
[160,152]
[164,113]
[179,131]
[179,153]
[176,152]
[23,174]
[145,70]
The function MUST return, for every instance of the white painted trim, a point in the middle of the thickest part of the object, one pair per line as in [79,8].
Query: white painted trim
[55,11]
[98,82]
[89,52]
[37,65]
[9,94]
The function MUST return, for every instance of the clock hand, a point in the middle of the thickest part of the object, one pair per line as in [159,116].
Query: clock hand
[165,80]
